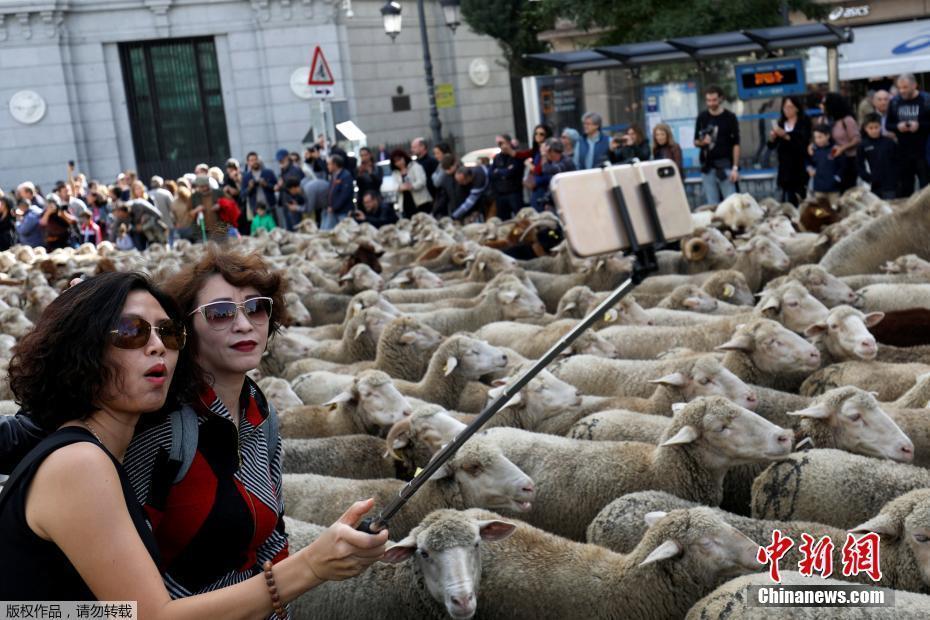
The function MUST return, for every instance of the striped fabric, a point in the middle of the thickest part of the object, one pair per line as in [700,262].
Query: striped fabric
[226,516]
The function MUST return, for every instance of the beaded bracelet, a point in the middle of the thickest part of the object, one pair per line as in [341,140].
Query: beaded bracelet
[276,605]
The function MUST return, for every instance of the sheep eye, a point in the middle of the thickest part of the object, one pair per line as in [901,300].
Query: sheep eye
[855,417]
[703,380]
[424,554]
[472,470]
[476,545]
[722,428]
[921,538]
[833,327]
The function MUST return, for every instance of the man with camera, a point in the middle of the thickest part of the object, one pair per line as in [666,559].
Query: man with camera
[909,119]
[716,133]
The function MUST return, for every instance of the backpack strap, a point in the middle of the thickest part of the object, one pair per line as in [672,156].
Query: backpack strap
[184,436]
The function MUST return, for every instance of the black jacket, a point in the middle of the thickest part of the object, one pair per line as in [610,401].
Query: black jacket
[18,435]
[506,174]
[882,158]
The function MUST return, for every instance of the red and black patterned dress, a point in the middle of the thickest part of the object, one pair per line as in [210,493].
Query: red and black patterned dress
[218,524]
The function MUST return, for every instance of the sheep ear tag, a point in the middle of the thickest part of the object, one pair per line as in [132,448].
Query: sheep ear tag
[451,363]
[666,550]
[728,290]
[611,315]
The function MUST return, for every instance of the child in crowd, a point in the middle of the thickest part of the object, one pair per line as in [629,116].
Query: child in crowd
[90,230]
[881,154]
[123,240]
[262,219]
[826,170]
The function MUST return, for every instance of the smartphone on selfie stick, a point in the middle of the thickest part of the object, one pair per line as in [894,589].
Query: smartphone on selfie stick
[637,208]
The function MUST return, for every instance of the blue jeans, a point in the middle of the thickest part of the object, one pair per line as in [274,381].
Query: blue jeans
[331,219]
[716,190]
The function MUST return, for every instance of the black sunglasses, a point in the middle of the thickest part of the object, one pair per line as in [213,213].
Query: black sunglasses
[133,333]
[220,314]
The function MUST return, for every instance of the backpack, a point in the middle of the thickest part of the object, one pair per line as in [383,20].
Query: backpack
[185,433]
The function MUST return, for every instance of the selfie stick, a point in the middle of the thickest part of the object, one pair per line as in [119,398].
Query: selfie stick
[645,264]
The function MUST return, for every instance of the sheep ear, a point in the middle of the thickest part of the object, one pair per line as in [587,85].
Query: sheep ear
[769,302]
[570,306]
[494,392]
[403,278]
[666,550]
[445,471]
[822,240]
[873,318]
[881,524]
[691,302]
[358,332]
[815,330]
[400,551]
[687,434]
[481,265]
[728,290]
[651,518]
[676,379]
[506,296]
[818,412]
[495,530]
[451,363]
[342,397]
[739,342]
[347,277]
[407,338]
[600,264]
[355,309]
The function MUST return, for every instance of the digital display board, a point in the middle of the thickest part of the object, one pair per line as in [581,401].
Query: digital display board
[770,78]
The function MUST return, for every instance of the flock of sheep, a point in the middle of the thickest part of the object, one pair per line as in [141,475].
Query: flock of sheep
[738,391]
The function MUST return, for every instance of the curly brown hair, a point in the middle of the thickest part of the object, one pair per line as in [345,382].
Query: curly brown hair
[237,268]
[58,371]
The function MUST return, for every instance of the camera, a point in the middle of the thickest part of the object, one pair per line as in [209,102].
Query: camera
[706,131]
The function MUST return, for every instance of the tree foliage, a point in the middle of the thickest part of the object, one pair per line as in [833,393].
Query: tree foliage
[515,25]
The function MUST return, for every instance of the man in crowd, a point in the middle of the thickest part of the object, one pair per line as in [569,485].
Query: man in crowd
[162,200]
[203,170]
[258,183]
[27,191]
[205,201]
[507,179]
[449,194]
[880,101]
[294,202]
[313,166]
[594,145]
[909,119]
[340,193]
[75,206]
[555,163]
[374,211]
[28,228]
[478,183]
[716,133]
[316,197]
[287,169]
[420,150]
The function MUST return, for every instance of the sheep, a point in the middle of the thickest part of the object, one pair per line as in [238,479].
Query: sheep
[533,341]
[690,462]
[728,286]
[296,309]
[866,250]
[843,335]
[579,301]
[478,475]
[371,404]
[602,274]
[822,284]
[415,277]
[440,579]
[299,535]
[760,352]
[867,279]
[360,278]
[508,301]
[918,396]
[279,393]
[534,574]
[457,361]
[344,456]
[14,323]
[891,297]
[908,263]
[830,486]
[888,380]
[730,601]
[359,340]
[365,299]
[738,212]
[689,297]
[705,250]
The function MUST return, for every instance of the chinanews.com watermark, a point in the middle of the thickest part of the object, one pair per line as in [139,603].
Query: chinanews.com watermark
[860,554]
[65,610]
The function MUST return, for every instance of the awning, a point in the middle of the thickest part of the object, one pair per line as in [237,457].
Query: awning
[876,51]
[761,40]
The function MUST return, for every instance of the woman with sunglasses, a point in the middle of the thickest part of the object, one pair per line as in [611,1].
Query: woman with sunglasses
[100,546]
[534,164]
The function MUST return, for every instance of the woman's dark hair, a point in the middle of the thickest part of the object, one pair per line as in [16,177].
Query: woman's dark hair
[443,147]
[836,107]
[797,104]
[401,153]
[638,131]
[546,129]
[237,268]
[58,369]
[7,202]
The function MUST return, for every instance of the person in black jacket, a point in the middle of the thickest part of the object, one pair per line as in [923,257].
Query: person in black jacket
[631,145]
[7,223]
[421,150]
[375,211]
[878,158]
[507,179]
[449,194]
[789,138]
[909,119]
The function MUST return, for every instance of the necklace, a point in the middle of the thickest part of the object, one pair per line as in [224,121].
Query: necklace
[91,429]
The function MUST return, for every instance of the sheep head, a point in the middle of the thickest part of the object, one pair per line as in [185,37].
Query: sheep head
[700,541]
[469,357]
[773,348]
[730,286]
[725,434]
[845,333]
[545,395]
[708,377]
[517,301]
[857,424]
[447,546]
[362,277]
[693,298]
[426,431]
[766,253]
[793,305]
[379,402]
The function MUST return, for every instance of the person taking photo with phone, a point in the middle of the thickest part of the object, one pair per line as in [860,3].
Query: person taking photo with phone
[716,133]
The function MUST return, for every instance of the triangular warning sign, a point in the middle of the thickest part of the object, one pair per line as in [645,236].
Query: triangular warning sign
[320,74]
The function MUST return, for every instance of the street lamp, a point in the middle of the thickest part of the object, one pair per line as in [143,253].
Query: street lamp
[390,13]
[450,11]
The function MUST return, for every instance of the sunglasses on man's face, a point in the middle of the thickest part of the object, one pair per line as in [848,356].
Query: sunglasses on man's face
[133,332]
[221,314]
